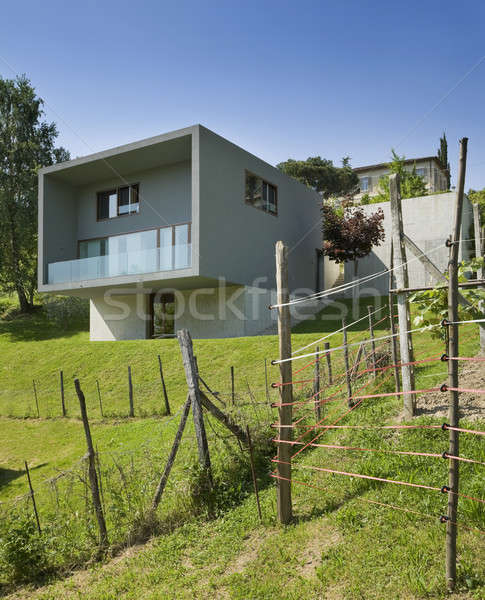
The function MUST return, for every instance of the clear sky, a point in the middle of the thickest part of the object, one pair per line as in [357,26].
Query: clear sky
[280,78]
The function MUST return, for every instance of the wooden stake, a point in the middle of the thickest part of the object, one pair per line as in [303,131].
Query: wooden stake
[453,351]
[373,344]
[32,495]
[401,282]
[173,453]
[130,392]
[223,418]
[36,399]
[328,356]
[99,397]
[93,478]
[191,376]
[233,393]
[285,511]
[316,387]
[253,471]
[63,405]
[165,395]
[347,365]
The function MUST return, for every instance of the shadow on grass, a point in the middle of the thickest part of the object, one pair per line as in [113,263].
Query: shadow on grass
[9,475]
[35,326]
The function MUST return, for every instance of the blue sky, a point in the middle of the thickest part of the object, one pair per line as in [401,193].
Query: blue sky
[282,79]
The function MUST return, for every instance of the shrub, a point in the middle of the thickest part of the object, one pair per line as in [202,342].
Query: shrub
[23,552]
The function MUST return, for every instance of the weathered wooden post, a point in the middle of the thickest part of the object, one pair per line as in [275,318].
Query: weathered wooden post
[266,380]
[347,365]
[130,393]
[63,405]
[453,351]
[36,398]
[233,392]
[32,495]
[392,325]
[99,398]
[328,356]
[173,453]
[402,303]
[316,387]
[373,344]
[165,395]
[93,478]
[285,510]
[192,378]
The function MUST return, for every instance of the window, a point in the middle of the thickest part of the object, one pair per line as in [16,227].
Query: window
[162,308]
[116,202]
[261,194]
[421,172]
[364,184]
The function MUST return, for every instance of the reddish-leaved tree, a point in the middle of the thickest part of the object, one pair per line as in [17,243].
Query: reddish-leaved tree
[352,234]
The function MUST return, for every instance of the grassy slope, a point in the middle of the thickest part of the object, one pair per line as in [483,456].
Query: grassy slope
[338,547]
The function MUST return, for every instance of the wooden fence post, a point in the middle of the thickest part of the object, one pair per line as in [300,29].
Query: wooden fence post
[233,393]
[36,398]
[165,395]
[32,495]
[130,393]
[284,504]
[402,303]
[93,478]
[266,380]
[316,387]
[192,378]
[373,344]
[347,365]
[99,398]
[63,405]
[453,351]
[173,453]
[328,356]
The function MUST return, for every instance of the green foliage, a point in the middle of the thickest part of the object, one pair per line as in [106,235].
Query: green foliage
[23,551]
[478,197]
[412,185]
[432,305]
[443,158]
[26,144]
[321,175]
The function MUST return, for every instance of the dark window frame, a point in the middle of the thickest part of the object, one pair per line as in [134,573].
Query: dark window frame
[263,182]
[116,190]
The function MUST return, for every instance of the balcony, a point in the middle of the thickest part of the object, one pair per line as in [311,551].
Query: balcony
[153,260]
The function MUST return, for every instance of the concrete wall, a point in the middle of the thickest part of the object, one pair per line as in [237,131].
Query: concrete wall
[237,241]
[57,211]
[165,199]
[428,221]
[118,317]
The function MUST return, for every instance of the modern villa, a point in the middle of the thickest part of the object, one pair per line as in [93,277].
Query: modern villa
[175,231]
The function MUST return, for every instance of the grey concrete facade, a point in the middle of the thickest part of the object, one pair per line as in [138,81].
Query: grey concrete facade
[428,221]
[190,175]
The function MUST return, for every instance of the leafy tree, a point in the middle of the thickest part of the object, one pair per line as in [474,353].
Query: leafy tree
[412,185]
[443,158]
[432,305]
[323,176]
[478,197]
[350,234]
[26,144]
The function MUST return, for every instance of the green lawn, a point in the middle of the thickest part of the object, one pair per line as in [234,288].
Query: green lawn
[340,545]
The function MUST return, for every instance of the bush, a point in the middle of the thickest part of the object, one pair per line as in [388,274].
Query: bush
[64,310]
[23,553]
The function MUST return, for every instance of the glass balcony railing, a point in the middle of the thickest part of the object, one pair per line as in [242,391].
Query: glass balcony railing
[153,260]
